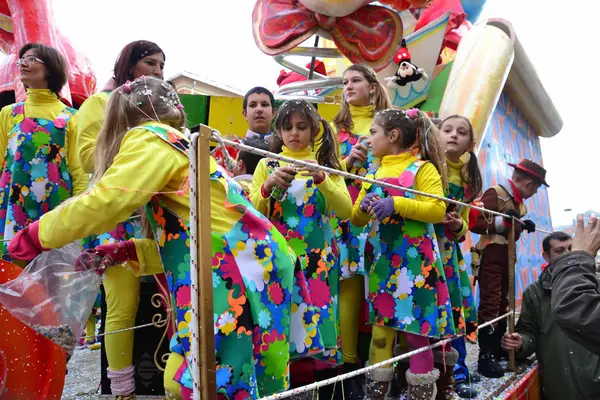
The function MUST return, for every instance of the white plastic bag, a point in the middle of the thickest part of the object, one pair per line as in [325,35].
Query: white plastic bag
[51,297]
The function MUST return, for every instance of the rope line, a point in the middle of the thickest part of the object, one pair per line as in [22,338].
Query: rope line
[361,371]
[218,138]
[127,329]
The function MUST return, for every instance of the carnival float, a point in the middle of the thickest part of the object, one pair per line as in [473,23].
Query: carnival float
[433,55]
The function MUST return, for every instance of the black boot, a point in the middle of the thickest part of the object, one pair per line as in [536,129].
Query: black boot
[488,364]
[465,391]
[499,332]
[352,387]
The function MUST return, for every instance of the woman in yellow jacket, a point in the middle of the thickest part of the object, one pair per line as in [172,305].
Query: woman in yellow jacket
[364,96]
[142,163]
[121,285]
[40,168]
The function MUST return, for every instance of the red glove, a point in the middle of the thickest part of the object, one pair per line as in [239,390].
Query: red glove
[26,244]
[109,254]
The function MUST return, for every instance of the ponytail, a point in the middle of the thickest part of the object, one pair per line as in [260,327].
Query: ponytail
[327,153]
[471,174]
[430,147]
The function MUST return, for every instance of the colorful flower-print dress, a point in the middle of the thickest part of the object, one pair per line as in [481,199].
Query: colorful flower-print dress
[252,284]
[303,219]
[35,175]
[457,276]
[407,286]
[352,239]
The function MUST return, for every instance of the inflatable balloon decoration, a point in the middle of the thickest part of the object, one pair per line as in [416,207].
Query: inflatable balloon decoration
[363,32]
[25,21]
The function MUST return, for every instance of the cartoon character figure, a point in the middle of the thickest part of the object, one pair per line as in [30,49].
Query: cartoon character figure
[407,71]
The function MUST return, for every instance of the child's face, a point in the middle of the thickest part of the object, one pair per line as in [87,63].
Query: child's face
[357,90]
[456,138]
[380,143]
[296,134]
[259,113]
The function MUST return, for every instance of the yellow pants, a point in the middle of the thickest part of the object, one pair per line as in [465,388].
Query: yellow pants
[382,344]
[122,289]
[90,328]
[352,295]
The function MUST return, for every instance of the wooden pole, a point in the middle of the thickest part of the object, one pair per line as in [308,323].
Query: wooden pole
[207,362]
[511,289]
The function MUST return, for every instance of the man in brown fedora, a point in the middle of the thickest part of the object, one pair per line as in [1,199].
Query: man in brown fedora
[507,198]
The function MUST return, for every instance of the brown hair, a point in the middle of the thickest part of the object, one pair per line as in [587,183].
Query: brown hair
[327,152]
[143,100]
[56,65]
[470,172]
[129,56]
[381,100]
[416,132]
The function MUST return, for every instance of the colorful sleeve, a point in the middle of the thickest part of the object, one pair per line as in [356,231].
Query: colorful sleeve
[423,208]
[90,119]
[358,217]
[78,175]
[258,179]
[128,184]
[337,196]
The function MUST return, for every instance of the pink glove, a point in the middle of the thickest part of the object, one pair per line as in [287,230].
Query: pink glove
[110,254]
[26,244]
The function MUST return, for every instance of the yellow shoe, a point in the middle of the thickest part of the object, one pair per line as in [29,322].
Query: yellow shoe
[95,346]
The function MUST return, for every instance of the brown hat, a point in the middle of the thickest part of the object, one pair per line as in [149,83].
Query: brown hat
[532,169]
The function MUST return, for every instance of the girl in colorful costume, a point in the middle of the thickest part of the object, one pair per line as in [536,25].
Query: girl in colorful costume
[252,265]
[40,168]
[121,285]
[407,286]
[464,184]
[303,217]
[364,95]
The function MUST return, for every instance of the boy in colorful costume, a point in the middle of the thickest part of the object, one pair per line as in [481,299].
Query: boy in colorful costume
[506,198]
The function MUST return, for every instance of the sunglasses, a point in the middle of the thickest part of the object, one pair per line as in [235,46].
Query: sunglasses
[29,60]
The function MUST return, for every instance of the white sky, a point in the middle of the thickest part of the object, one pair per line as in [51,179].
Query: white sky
[214,39]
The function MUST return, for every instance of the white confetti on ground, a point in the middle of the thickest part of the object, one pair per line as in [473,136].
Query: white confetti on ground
[83,379]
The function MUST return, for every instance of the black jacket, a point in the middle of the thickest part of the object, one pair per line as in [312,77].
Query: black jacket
[576,298]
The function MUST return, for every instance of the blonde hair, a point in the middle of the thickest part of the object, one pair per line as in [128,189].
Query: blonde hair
[417,132]
[133,103]
[380,99]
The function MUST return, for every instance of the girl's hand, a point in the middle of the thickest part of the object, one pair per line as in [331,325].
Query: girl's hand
[318,176]
[282,177]
[383,208]
[367,201]
[453,221]
[358,153]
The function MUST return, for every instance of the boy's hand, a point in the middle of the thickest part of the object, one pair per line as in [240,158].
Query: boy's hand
[512,341]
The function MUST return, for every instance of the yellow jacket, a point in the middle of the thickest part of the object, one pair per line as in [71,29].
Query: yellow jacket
[421,208]
[362,119]
[90,119]
[333,187]
[42,103]
[455,178]
[144,165]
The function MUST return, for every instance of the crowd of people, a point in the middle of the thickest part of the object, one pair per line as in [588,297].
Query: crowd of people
[303,260]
